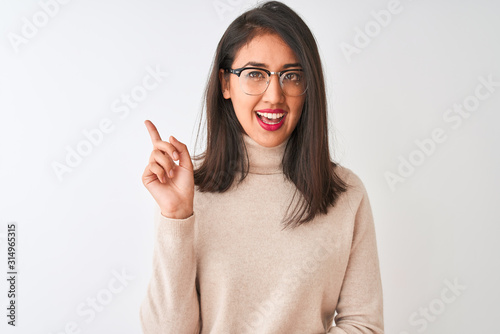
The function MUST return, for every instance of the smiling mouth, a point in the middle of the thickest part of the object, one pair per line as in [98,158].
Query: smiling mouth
[270,118]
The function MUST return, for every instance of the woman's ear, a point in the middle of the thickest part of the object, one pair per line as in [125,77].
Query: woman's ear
[224,84]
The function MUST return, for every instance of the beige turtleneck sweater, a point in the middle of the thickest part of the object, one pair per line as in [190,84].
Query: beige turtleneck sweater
[229,268]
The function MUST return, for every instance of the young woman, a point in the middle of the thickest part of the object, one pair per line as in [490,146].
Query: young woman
[228,258]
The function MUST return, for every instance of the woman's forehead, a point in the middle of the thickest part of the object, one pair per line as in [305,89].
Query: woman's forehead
[268,50]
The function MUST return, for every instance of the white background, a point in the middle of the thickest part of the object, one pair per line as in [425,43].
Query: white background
[77,231]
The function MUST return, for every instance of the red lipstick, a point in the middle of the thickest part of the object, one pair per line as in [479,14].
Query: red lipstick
[268,124]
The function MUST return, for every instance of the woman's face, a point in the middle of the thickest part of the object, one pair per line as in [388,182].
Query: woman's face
[270,52]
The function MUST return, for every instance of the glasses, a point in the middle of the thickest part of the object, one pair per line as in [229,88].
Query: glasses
[255,80]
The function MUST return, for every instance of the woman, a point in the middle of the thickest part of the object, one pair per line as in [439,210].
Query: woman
[228,259]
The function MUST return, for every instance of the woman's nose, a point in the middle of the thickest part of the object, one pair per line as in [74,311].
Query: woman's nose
[274,93]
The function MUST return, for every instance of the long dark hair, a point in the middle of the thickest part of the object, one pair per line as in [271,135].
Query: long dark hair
[306,160]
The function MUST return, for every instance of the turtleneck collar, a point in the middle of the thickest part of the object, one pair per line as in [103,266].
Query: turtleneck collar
[264,160]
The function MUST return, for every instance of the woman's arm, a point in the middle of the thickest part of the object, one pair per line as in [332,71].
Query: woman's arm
[360,304]
[171,304]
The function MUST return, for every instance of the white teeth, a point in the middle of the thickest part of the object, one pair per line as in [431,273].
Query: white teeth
[264,120]
[270,115]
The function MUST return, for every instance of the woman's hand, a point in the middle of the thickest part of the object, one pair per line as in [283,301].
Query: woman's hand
[174,194]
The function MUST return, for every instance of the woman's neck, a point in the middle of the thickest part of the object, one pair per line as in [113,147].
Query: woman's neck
[264,160]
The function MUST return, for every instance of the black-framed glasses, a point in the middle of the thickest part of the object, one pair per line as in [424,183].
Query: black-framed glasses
[255,80]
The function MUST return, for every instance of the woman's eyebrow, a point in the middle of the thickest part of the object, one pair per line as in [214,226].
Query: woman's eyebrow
[292,65]
[256,64]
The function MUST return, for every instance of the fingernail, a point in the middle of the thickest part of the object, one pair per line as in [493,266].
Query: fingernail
[176,156]
[171,173]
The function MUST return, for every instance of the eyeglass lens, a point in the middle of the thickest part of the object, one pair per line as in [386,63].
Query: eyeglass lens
[255,82]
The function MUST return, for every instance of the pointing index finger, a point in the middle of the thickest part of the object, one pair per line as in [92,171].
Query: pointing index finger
[153,132]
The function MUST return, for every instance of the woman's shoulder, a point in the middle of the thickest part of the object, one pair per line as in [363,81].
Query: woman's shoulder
[352,179]
[353,197]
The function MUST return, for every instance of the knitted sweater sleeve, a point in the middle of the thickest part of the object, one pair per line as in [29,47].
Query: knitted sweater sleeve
[360,304]
[171,304]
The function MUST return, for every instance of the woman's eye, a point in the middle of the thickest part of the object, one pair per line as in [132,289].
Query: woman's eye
[293,76]
[256,75]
